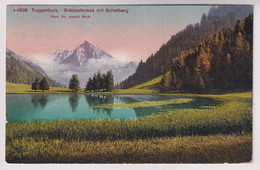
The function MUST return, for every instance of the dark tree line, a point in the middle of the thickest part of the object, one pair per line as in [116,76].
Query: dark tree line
[101,82]
[159,63]
[224,61]
[42,85]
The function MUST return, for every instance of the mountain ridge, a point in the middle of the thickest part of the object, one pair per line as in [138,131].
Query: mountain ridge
[80,55]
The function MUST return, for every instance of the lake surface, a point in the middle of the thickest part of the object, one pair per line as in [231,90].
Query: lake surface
[30,107]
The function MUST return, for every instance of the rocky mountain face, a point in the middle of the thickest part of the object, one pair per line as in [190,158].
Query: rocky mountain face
[80,55]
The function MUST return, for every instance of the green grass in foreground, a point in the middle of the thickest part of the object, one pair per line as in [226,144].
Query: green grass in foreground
[112,140]
[193,149]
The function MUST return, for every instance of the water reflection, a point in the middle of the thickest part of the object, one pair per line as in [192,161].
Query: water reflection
[26,107]
[39,99]
[74,102]
[197,103]
[127,99]
[98,99]
[140,111]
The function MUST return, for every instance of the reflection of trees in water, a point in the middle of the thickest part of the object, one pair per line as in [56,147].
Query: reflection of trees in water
[143,111]
[39,99]
[127,99]
[74,102]
[197,103]
[98,99]
[140,111]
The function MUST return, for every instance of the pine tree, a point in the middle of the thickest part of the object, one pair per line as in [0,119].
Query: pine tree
[44,85]
[162,86]
[174,79]
[103,82]
[89,85]
[205,65]
[36,85]
[248,27]
[237,54]
[226,71]
[186,81]
[99,80]
[109,81]
[96,84]
[166,82]
[74,83]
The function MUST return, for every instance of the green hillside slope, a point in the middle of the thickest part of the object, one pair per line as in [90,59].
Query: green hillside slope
[18,71]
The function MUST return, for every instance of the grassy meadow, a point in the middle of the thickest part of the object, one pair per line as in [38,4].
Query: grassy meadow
[149,83]
[218,134]
[188,149]
[16,88]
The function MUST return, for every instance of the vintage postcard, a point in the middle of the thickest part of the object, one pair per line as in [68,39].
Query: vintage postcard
[129,83]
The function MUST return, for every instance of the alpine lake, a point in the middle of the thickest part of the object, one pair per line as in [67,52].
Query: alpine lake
[47,107]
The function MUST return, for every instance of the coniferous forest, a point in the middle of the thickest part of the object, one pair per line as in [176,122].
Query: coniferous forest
[224,61]
[186,41]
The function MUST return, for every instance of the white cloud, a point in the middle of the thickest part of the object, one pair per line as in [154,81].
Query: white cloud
[123,55]
[63,72]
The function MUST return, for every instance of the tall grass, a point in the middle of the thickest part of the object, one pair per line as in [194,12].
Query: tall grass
[173,136]
[194,149]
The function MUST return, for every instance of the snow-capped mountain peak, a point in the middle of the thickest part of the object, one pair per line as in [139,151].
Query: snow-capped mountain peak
[61,55]
[80,55]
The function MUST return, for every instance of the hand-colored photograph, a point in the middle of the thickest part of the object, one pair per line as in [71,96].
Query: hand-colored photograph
[129,84]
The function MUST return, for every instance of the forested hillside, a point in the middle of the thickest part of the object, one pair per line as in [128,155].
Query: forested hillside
[18,71]
[161,62]
[224,61]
